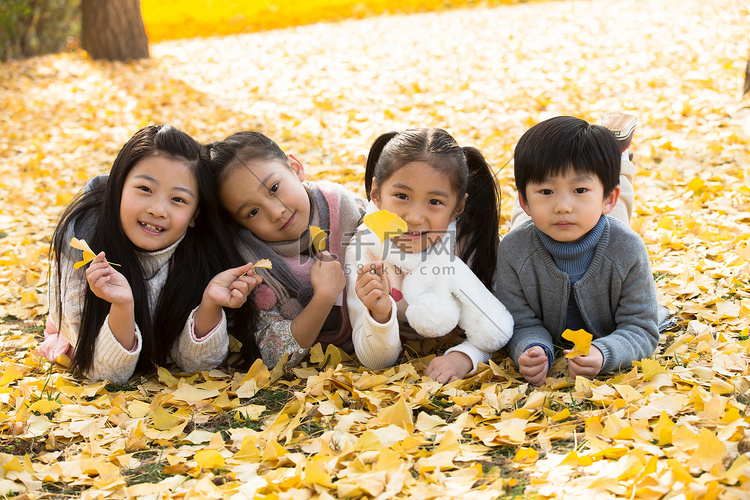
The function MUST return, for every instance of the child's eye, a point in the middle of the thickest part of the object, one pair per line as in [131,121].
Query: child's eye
[401,196]
[177,199]
[252,213]
[274,188]
[546,191]
[435,202]
[145,189]
[580,190]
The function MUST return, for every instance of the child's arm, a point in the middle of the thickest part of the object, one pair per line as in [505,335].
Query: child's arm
[528,328]
[376,344]
[328,281]
[204,342]
[109,285]
[227,289]
[274,338]
[637,333]
[111,360]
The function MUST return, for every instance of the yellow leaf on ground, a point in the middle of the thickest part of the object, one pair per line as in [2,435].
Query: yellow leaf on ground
[581,340]
[163,420]
[191,394]
[209,459]
[526,455]
[44,406]
[710,451]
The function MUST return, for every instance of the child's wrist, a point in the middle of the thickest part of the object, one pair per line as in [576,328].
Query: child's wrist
[327,297]
[123,307]
[381,317]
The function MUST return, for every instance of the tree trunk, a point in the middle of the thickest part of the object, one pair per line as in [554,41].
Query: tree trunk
[747,78]
[113,29]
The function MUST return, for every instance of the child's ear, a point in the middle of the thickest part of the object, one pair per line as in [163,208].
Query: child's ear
[459,208]
[611,200]
[375,194]
[524,204]
[195,216]
[297,166]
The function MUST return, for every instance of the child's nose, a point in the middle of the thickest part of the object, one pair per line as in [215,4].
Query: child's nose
[157,209]
[563,205]
[414,216]
[278,210]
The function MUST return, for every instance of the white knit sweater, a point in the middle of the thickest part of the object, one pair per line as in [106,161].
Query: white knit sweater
[378,345]
[111,360]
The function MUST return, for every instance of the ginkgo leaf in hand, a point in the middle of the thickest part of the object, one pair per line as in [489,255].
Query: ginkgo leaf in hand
[263,264]
[581,341]
[385,225]
[88,254]
[318,237]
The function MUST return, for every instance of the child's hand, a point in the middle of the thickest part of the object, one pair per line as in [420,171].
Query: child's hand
[586,366]
[534,365]
[327,277]
[374,289]
[231,287]
[449,367]
[108,284]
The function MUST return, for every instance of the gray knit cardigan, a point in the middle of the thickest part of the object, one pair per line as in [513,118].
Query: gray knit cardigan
[616,295]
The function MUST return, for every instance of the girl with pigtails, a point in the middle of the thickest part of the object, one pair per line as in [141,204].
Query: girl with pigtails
[447,196]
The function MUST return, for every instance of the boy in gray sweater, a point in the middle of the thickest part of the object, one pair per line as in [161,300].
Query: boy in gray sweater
[573,266]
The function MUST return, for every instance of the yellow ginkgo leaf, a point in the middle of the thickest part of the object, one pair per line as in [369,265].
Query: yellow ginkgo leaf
[88,254]
[263,263]
[209,459]
[385,225]
[318,237]
[44,406]
[581,340]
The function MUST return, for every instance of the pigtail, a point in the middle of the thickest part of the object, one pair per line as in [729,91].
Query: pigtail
[372,158]
[477,227]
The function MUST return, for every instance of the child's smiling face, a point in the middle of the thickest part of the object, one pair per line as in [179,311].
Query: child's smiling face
[159,202]
[267,198]
[425,198]
[566,207]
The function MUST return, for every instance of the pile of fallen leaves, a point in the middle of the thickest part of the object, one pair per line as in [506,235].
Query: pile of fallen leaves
[675,425]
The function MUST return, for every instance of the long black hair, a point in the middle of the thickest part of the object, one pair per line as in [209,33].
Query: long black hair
[204,252]
[477,226]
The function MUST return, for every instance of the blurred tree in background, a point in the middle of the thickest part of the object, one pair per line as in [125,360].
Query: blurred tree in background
[33,27]
[113,29]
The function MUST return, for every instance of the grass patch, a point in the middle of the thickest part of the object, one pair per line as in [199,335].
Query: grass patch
[148,471]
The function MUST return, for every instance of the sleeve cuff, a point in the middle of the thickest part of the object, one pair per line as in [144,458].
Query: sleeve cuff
[473,352]
[378,328]
[547,351]
[191,323]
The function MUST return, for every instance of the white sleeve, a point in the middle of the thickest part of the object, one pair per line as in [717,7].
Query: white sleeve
[111,360]
[475,354]
[193,354]
[377,345]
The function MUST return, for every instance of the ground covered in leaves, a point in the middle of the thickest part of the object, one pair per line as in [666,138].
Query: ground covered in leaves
[676,425]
